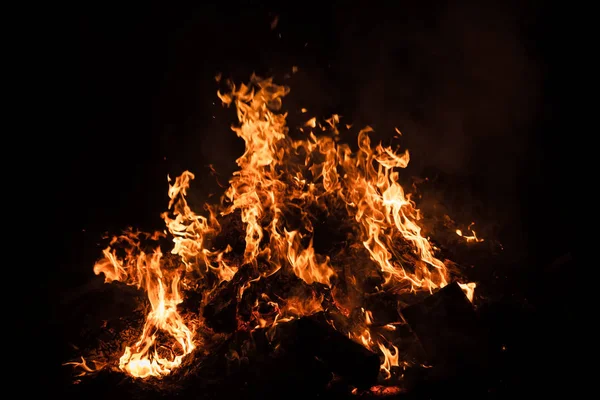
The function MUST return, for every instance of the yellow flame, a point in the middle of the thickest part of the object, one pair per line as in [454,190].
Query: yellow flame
[162,287]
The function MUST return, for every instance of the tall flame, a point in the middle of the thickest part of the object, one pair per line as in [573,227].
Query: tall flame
[161,283]
[280,185]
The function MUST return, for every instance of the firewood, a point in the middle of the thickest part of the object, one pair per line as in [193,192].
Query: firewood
[447,327]
[344,357]
[220,314]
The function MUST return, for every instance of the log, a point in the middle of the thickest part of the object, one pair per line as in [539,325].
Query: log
[226,313]
[354,363]
[448,329]
[220,313]
[383,307]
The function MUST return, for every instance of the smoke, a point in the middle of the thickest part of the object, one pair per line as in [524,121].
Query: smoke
[457,80]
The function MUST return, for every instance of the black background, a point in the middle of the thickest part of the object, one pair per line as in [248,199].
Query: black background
[474,87]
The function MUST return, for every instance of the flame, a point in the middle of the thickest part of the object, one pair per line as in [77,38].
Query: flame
[469,238]
[390,359]
[282,182]
[161,284]
[468,289]
[84,368]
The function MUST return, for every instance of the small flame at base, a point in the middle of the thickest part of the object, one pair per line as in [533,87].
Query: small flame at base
[162,287]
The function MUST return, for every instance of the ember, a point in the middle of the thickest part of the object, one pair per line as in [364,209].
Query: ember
[255,263]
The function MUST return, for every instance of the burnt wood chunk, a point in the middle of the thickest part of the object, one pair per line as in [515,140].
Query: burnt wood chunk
[220,313]
[383,307]
[447,327]
[344,357]
[222,309]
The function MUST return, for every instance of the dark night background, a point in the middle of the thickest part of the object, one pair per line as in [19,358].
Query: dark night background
[473,86]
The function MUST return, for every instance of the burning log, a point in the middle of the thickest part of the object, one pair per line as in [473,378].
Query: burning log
[344,357]
[220,313]
[225,312]
[447,327]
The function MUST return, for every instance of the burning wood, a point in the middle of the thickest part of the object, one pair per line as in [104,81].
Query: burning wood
[307,225]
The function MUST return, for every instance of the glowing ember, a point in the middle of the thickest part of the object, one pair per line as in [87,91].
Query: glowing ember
[284,185]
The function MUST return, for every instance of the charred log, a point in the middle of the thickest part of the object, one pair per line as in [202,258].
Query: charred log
[342,356]
[383,306]
[447,327]
[220,312]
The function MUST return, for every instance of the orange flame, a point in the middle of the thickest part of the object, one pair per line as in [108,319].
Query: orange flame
[390,359]
[162,286]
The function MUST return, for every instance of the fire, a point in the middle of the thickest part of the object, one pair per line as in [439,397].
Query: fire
[284,184]
[161,284]
[390,359]
[469,238]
